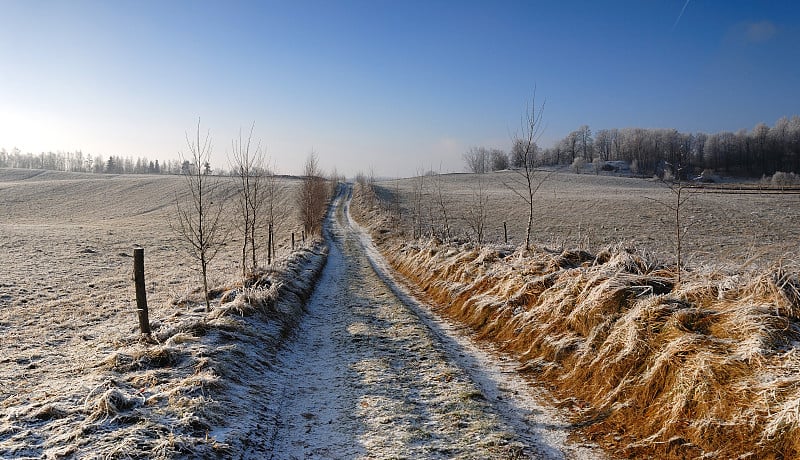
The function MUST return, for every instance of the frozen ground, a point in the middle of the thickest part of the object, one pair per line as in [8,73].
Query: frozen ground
[371,374]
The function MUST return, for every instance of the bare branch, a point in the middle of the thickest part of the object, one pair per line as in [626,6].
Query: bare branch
[524,149]
[199,222]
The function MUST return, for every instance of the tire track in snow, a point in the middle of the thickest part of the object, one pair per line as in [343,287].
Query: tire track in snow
[370,374]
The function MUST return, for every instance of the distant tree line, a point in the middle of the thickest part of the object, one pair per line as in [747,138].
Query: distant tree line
[762,151]
[80,162]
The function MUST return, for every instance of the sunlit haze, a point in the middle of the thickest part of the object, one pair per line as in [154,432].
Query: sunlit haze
[392,86]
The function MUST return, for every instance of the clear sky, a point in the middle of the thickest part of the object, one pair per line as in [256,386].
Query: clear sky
[395,86]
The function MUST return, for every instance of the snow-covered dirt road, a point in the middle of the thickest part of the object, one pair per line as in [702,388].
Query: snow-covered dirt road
[372,374]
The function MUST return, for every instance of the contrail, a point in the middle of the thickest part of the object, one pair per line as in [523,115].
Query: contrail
[680,15]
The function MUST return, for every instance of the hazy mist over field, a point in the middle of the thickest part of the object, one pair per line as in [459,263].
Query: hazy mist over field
[396,86]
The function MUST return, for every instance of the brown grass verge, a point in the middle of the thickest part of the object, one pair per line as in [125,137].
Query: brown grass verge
[707,369]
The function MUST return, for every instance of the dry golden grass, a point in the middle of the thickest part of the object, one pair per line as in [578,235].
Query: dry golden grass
[707,369]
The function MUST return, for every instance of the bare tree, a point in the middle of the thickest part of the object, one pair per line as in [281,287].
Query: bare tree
[476,214]
[527,182]
[518,155]
[681,194]
[602,142]
[373,192]
[199,219]
[585,143]
[248,166]
[477,160]
[274,206]
[312,197]
[499,160]
[418,200]
[438,210]
[395,206]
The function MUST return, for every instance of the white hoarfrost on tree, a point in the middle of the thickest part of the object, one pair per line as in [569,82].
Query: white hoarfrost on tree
[499,160]
[481,160]
[577,165]
[477,160]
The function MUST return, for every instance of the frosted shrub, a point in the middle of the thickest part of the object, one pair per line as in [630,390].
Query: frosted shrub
[634,167]
[782,179]
[577,164]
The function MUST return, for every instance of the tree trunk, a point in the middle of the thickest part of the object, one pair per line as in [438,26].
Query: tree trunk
[204,265]
[253,246]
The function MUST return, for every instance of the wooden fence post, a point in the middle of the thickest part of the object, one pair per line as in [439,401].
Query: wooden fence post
[141,294]
[270,246]
[292,241]
[505,231]
[272,241]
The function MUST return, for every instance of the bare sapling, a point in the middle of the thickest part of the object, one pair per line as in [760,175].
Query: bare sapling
[681,193]
[396,208]
[248,166]
[527,180]
[417,204]
[372,194]
[476,214]
[199,220]
[312,197]
[274,206]
[439,210]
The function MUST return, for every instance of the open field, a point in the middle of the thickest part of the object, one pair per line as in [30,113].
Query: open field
[591,212]
[67,304]
[66,245]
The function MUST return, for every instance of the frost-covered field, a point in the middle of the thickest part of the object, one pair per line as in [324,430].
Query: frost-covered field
[591,212]
[71,369]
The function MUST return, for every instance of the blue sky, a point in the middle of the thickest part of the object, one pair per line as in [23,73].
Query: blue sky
[395,86]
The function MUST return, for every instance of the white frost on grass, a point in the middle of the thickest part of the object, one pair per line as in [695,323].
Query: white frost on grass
[197,392]
[75,381]
[373,375]
[365,379]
